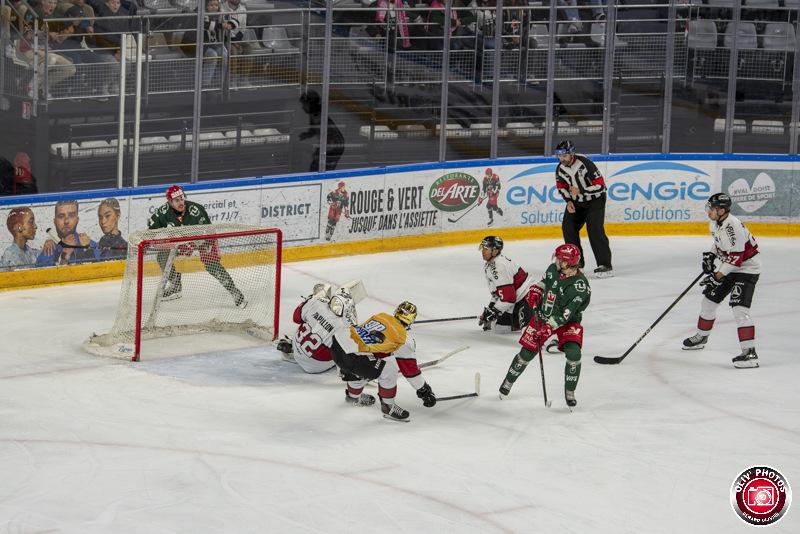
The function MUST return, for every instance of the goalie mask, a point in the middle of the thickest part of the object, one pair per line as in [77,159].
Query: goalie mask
[406,313]
[342,305]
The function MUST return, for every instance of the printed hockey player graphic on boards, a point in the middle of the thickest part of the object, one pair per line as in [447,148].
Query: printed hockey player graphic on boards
[491,191]
[338,201]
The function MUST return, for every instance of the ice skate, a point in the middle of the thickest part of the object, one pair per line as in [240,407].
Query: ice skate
[394,412]
[748,359]
[173,290]
[365,399]
[569,396]
[505,389]
[696,342]
[239,299]
[604,271]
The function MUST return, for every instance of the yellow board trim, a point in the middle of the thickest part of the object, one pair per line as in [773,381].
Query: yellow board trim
[112,270]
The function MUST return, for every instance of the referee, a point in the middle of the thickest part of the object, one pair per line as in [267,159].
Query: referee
[584,190]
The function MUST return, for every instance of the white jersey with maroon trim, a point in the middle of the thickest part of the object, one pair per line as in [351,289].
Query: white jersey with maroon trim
[508,282]
[735,246]
[318,324]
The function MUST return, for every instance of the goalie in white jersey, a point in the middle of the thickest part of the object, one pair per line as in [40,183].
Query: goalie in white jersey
[318,317]
[737,275]
[508,286]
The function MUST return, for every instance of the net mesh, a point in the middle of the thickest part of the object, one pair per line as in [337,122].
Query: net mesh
[195,280]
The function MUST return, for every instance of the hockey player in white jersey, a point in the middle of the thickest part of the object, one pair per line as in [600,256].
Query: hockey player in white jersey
[508,286]
[318,317]
[737,275]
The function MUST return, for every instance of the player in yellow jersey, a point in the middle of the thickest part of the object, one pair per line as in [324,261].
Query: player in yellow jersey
[364,352]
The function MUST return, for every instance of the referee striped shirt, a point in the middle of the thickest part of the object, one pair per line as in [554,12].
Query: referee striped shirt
[584,175]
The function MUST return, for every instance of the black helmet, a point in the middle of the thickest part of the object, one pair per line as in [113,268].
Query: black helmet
[565,147]
[719,201]
[492,242]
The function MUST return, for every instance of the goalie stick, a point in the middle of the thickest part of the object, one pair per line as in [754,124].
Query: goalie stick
[613,361]
[465,318]
[465,395]
[443,358]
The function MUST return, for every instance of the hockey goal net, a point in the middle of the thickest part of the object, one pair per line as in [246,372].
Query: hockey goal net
[195,280]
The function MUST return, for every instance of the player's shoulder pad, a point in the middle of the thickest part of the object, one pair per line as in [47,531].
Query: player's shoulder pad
[395,330]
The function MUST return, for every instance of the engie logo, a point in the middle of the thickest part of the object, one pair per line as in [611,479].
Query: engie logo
[454,191]
[655,180]
[752,197]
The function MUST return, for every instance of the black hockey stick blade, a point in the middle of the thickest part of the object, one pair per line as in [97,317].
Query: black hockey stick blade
[443,358]
[464,318]
[607,361]
[613,361]
[465,395]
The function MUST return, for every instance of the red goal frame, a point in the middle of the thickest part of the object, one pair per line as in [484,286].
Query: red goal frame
[170,240]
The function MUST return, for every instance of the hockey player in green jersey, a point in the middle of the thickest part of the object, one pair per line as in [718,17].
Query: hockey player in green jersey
[181,212]
[558,300]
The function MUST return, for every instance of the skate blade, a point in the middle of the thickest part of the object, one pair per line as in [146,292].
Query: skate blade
[242,305]
[174,296]
[700,347]
[604,275]
[746,365]
[390,418]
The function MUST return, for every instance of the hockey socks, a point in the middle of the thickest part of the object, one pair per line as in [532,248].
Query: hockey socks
[518,365]
[572,369]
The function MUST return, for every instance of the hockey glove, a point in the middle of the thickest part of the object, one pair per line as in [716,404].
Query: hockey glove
[377,336]
[535,294]
[488,317]
[708,262]
[543,332]
[710,283]
[285,345]
[426,394]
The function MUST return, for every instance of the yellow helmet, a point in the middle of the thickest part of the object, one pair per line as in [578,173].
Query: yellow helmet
[406,313]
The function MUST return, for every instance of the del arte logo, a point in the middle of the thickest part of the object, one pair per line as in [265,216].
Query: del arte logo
[760,495]
[454,191]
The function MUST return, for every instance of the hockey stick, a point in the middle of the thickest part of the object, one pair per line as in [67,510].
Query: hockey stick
[443,358]
[445,319]
[456,219]
[547,403]
[613,361]
[465,395]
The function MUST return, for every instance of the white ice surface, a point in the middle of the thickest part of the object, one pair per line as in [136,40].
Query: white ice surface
[241,442]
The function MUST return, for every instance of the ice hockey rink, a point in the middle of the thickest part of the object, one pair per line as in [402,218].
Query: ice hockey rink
[240,441]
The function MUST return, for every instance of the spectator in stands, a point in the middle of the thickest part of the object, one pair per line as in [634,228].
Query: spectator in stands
[463,36]
[435,25]
[312,105]
[58,67]
[392,14]
[72,246]
[112,245]
[571,13]
[108,37]
[6,177]
[77,47]
[213,49]
[24,181]
[14,16]
[241,38]
[485,19]
[22,225]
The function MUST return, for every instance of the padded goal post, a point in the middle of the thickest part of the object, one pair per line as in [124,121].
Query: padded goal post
[195,280]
